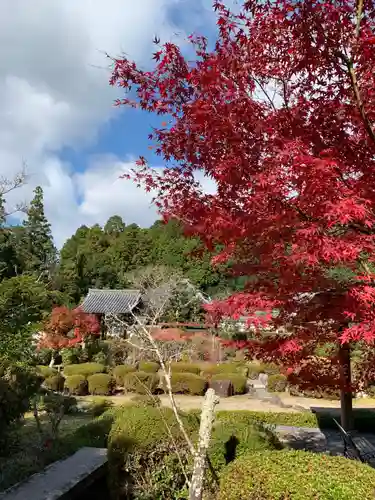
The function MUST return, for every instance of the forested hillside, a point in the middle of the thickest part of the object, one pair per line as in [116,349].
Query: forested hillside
[34,276]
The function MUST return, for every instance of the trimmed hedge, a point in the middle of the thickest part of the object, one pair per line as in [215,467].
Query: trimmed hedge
[100,384]
[148,366]
[120,371]
[238,381]
[188,383]
[46,371]
[364,419]
[76,385]
[277,383]
[141,382]
[225,368]
[272,418]
[179,367]
[142,459]
[55,383]
[85,369]
[296,475]
[232,439]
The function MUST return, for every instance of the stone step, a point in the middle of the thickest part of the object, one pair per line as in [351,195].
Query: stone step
[63,479]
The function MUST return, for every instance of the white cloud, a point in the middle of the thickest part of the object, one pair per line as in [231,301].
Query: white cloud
[54,93]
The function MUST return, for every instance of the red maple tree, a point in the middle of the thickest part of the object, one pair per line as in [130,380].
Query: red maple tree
[68,327]
[280,114]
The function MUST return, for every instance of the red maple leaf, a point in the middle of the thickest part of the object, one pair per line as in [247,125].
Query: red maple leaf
[282,119]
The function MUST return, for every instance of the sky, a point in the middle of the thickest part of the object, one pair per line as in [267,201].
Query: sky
[56,107]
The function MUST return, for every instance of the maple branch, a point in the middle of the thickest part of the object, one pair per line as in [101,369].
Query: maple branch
[359,17]
[265,93]
[360,104]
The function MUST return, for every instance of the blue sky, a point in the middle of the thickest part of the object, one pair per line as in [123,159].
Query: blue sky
[56,106]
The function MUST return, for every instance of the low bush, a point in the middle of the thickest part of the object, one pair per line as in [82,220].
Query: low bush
[277,383]
[253,371]
[225,368]
[296,475]
[305,419]
[238,381]
[142,457]
[186,368]
[54,383]
[188,383]
[316,392]
[85,369]
[100,384]
[140,382]
[232,439]
[120,371]
[18,385]
[46,371]
[76,385]
[148,366]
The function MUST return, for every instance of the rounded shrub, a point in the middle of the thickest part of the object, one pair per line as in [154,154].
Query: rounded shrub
[188,383]
[185,367]
[142,458]
[100,384]
[46,371]
[277,383]
[253,371]
[54,383]
[140,382]
[296,475]
[120,371]
[76,385]
[238,381]
[148,366]
[85,369]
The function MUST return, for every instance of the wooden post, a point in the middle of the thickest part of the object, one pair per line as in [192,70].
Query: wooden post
[346,395]
[200,459]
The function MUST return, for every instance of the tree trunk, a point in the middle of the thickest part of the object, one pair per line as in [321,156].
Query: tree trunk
[346,395]
[200,460]
[53,359]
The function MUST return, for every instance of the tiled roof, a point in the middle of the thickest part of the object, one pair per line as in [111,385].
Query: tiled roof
[110,301]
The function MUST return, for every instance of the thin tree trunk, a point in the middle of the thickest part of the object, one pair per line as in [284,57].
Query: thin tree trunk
[200,460]
[346,395]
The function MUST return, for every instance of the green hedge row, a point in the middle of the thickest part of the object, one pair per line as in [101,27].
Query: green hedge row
[296,475]
[364,419]
[143,462]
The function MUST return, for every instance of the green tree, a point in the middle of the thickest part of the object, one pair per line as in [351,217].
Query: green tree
[114,225]
[40,252]
[23,303]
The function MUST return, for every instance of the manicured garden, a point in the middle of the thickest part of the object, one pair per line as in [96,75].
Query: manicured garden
[146,450]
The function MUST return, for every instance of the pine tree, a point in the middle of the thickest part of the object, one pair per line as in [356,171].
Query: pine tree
[40,250]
